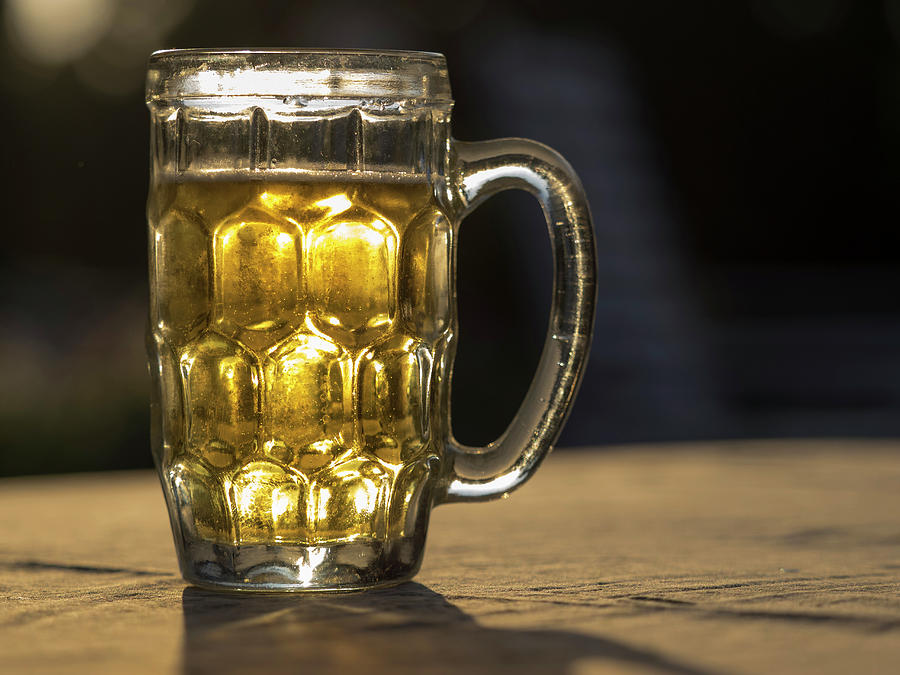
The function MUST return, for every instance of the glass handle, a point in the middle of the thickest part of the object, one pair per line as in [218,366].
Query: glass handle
[479,170]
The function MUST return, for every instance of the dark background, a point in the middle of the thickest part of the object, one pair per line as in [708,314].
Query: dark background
[741,160]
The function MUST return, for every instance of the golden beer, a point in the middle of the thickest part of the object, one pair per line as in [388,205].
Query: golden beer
[299,329]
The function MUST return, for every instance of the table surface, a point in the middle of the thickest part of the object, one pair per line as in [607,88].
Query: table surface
[748,557]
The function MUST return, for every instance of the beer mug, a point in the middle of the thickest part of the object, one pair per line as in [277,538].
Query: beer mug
[303,215]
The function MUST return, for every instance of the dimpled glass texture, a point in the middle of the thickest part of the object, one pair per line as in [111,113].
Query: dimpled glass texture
[299,400]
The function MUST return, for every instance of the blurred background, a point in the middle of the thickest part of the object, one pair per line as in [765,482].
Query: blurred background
[741,159]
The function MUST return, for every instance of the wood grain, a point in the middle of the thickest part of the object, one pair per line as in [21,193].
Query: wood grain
[751,557]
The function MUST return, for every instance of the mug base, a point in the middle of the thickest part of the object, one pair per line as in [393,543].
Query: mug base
[279,568]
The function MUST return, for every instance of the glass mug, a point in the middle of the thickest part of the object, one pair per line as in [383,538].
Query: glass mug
[303,214]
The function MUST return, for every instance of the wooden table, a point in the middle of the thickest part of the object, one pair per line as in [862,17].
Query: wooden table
[744,557]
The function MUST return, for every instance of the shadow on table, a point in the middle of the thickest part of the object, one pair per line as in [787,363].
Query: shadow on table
[409,628]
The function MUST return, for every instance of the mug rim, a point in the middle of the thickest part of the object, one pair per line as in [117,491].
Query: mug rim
[341,51]
[216,73]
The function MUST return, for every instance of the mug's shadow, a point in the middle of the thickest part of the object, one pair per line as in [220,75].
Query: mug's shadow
[409,628]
